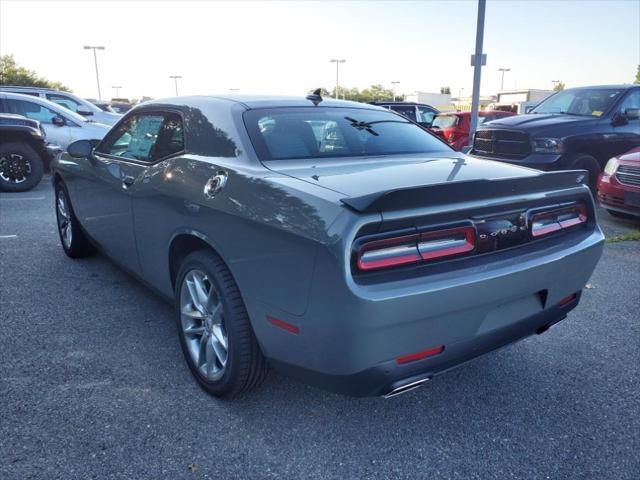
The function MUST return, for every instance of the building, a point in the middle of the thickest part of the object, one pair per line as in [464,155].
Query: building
[441,101]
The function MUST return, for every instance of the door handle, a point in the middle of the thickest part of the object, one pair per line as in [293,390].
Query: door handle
[128,180]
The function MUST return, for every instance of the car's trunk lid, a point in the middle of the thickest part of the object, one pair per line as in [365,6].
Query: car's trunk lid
[395,182]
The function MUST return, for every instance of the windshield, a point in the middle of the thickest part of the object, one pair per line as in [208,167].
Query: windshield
[445,121]
[323,132]
[583,101]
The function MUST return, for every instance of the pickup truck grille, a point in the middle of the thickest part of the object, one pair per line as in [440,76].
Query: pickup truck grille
[501,143]
[629,175]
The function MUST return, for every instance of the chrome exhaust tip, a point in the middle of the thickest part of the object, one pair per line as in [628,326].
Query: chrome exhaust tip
[407,387]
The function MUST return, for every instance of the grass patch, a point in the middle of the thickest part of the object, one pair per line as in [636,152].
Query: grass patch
[625,237]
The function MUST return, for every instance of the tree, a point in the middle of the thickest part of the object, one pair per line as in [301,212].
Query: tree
[558,86]
[445,90]
[13,74]
[637,80]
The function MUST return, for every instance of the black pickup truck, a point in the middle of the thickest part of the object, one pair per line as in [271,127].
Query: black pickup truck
[577,128]
[24,154]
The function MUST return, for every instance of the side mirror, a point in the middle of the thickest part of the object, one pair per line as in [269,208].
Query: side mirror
[632,113]
[85,113]
[59,121]
[80,149]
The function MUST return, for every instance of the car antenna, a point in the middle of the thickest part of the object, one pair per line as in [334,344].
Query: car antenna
[316,96]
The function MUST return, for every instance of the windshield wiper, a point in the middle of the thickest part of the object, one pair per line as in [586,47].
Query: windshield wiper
[367,126]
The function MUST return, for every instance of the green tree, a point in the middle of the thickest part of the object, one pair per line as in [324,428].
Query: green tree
[13,74]
[558,86]
[637,80]
[445,90]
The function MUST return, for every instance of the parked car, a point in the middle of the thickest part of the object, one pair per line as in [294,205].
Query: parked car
[61,125]
[24,153]
[619,185]
[577,128]
[104,106]
[453,127]
[69,101]
[417,112]
[121,107]
[365,263]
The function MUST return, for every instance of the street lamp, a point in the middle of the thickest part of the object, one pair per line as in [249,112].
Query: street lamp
[337,62]
[502,81]
[394,83]
[117,89]
[95,60]
[175,80]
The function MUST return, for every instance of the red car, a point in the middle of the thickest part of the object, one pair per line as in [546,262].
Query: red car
[453,128]
[619,185]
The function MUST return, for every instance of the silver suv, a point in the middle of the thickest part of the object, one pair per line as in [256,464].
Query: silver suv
[68,101]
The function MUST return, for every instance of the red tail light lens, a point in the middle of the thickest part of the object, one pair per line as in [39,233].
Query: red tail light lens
[415,248]
[558,219]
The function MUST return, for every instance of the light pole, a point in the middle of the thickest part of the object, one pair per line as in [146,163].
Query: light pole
[117,89]
[175,80]
[337,62]
[477,67]
[95,60]
[502,81]
[394,83]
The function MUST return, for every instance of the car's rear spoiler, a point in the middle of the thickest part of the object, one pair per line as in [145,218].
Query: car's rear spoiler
[450,192]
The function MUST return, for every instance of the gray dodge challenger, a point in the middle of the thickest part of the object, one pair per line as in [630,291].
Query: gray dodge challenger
[336,241]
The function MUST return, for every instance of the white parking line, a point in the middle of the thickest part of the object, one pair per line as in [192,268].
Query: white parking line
[21,198]
[8,236]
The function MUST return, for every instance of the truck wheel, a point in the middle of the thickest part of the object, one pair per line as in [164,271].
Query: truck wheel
[21,168]
[582,161]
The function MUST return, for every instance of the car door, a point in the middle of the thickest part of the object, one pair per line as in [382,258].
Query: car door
[58,133]
[626,131]
[118,165]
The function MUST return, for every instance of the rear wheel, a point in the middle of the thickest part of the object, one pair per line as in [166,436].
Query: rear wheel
[215,333]
[74,241]
[21,168]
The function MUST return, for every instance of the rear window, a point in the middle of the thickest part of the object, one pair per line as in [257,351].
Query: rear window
[445,121]
[324,132]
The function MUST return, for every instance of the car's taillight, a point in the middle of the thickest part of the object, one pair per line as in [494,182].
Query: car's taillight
[415,248]
[551,221]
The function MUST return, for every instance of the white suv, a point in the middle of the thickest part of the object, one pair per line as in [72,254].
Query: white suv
[68,101]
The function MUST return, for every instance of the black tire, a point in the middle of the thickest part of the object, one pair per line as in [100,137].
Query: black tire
[21,168]
[246,367]
[78,246]
[617,214]
[582,161]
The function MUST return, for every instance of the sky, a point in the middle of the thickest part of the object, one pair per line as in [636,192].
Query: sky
[285,47]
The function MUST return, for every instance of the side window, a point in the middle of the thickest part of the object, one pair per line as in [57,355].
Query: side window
[408,111]
[31,110]
[145,137]
[631,101]
[63,101]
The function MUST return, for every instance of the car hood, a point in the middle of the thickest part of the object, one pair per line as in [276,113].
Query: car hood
[537,121]
[365,175]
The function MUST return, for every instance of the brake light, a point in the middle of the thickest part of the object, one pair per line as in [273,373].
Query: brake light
[412,357]
[558,219]
[415,248]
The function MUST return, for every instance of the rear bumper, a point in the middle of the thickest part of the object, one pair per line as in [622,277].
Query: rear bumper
[387,377]
[351,335]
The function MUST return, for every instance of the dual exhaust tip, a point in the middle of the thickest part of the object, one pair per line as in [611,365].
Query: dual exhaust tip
[406,387]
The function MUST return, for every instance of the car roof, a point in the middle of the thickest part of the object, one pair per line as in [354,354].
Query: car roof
[18,87]
[624,86]
[250,102]
[44,102]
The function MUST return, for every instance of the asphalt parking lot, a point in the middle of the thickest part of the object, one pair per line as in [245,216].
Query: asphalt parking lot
[93,386]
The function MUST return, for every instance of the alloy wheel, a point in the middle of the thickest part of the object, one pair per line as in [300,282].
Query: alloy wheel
[64,219]
[14,168]
[202,320]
